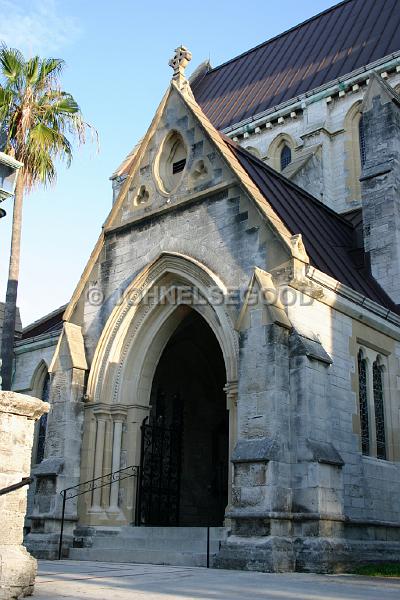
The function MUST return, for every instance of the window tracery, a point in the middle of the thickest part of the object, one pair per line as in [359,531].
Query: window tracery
[363,402]
[371,403]
[377,371]
[42,426]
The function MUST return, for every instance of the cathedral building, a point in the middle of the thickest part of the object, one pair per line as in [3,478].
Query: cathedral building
[230,356]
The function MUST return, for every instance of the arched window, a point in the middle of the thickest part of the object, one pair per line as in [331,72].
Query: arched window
[354,151]
[280,151]
[363,402]
[361,140]
[171,161]
[286,156]
[377,378]
[42,426]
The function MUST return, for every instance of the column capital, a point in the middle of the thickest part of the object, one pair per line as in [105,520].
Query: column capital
[101,411]
[118,412]
[231,391]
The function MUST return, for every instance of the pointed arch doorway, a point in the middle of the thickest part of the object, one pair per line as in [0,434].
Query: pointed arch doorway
[185,438]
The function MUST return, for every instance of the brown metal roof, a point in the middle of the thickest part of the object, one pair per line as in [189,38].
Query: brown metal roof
[331,241]
[336,42]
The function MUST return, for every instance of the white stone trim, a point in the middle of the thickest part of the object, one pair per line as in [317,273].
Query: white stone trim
[351,303]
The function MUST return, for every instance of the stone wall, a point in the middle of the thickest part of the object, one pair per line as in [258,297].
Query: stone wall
[17,417]
[230,235]
[60,467]
[381,185]
[30,356]
[303,496]
[364,476]
[33,357]
[299,471]
[333,179]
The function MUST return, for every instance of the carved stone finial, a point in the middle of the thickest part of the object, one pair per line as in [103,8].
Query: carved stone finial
[179,62]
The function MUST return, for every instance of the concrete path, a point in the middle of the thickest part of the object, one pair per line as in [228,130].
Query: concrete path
[123,581]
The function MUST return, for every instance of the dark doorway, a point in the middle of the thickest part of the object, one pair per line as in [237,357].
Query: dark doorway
[185,440]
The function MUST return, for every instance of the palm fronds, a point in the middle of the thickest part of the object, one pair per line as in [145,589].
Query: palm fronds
[38,118]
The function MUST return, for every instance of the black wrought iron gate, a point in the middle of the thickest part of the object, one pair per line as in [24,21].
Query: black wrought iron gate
[160,471]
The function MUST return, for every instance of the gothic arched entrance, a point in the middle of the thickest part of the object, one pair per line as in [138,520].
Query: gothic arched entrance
[147,343]
[185,438]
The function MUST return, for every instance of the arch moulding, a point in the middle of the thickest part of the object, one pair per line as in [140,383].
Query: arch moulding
[139,327]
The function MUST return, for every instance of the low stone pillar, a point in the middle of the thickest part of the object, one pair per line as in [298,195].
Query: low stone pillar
[18,414]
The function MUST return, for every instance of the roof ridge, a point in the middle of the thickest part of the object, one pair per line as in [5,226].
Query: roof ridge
[279,35]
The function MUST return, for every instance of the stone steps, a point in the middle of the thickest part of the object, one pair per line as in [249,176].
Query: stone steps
[183,546]
[154,557]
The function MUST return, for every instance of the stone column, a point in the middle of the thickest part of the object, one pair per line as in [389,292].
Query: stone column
[101,416]
[17,416]
[135,416]
[380,184]
[231,390]
[118,414]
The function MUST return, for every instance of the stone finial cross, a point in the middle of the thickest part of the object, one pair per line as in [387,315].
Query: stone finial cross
[180,61]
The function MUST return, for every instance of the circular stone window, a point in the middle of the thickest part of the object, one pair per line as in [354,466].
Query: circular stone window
[171,162]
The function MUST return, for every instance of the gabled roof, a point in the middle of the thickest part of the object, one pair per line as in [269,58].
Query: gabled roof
[329,239]
[332,44]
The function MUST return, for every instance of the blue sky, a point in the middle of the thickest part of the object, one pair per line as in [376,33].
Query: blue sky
[117,68]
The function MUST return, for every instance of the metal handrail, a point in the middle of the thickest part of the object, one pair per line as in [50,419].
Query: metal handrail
[16,486]
[90,486]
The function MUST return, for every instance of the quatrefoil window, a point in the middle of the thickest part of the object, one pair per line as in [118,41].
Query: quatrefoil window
[200,170]
[142,197]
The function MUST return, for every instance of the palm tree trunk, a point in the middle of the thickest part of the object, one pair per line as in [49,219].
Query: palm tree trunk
[10,309]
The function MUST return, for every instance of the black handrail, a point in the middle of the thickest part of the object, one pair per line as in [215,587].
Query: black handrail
[16,486]
[89,486]
[208,547]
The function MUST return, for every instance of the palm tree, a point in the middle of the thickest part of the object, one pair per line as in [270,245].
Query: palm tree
[37,116]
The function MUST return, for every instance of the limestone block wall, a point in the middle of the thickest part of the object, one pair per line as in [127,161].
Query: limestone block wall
[17,417]
[60,467]
[222,229]
[262,456]
[30,356]
[334,178]
[230,239]
[370,485]
[32,360]
[381,185]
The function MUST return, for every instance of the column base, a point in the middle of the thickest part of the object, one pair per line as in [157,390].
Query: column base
[98,512]
[17,572]
[275,554]
[268,554]
[330,555]
[46,545]
[114,513]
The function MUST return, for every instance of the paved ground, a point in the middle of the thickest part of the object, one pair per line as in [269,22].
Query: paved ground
[122,581]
